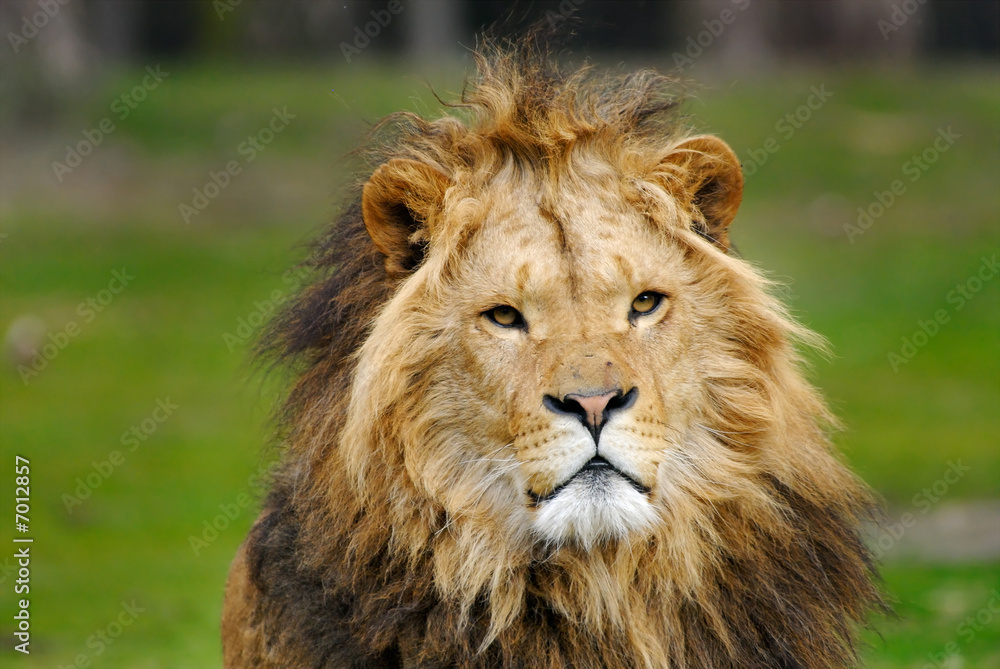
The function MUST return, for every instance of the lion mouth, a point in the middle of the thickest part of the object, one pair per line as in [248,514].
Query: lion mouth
[597,469]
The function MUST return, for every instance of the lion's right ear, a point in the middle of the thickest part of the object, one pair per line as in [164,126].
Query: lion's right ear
[705,175]
[397,203]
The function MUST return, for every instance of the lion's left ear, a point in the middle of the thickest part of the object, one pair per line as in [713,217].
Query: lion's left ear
[705,175]
[397,202]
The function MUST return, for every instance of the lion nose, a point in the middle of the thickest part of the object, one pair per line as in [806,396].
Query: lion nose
[594,410]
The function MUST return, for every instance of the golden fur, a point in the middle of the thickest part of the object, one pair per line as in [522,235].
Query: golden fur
[427,513]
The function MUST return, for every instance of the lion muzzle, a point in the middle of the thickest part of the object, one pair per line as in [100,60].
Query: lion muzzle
[593,409]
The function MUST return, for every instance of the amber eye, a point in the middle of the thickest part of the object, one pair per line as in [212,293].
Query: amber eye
[646,303]
[505,316]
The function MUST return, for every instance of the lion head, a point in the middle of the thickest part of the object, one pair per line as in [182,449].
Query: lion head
[563,324]
[546,412]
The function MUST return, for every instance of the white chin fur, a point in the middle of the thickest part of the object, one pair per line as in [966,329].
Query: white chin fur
[593,507]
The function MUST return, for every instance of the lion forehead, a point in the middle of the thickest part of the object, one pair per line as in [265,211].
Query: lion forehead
[533,240]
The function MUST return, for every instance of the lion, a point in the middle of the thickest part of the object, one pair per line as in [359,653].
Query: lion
[544,415]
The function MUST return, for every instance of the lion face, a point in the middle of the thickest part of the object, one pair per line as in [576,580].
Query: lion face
[552,338]
[574,329]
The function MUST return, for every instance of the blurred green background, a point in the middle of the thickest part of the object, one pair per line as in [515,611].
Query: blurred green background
[127,570]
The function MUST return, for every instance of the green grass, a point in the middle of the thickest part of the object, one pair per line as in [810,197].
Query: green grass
[162,337]
[942,614]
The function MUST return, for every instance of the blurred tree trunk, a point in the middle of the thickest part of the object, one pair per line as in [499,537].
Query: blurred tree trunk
[749,45]
[46,61]
[754,34]
[433,28]
[115,27]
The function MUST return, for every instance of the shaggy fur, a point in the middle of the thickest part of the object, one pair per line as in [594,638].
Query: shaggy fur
[428,514]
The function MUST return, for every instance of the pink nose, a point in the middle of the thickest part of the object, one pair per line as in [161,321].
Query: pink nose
[594,406]
[592,410]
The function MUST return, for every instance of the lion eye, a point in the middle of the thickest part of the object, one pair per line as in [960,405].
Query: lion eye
[505,316]
[645,303]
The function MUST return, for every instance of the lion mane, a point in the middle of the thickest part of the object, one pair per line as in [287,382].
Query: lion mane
[425,512]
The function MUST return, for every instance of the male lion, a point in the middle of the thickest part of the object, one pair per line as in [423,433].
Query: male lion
[545,417]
